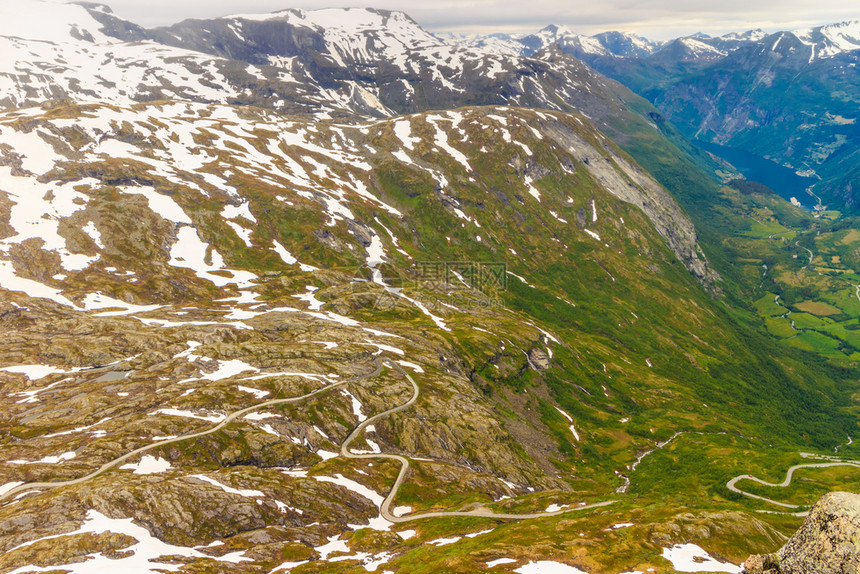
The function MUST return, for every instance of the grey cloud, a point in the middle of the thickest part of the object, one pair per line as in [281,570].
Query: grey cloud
[657,19]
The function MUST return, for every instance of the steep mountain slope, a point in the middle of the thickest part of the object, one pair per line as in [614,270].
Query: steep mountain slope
[300,62]
[191,260]
[389,66]
[259,342]
[392,66]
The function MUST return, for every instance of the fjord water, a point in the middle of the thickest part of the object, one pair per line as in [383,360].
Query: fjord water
[783,180]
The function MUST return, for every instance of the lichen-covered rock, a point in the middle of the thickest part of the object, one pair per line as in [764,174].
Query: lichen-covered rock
[828,542]
[539,359]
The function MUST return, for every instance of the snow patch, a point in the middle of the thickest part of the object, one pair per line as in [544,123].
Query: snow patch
[256,392]
[548,567]
[148,465]
[445,541]
[140,558]
[692,558]
[213,418]
[48,459]
[229,489]
[190,252]
[412,366]
[499,562]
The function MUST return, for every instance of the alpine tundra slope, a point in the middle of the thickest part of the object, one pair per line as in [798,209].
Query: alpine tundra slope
[346,332]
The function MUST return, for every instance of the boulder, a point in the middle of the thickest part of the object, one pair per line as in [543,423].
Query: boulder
[539,359]
[828,542]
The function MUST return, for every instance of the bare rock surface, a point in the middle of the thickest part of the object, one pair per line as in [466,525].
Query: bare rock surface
[828,542]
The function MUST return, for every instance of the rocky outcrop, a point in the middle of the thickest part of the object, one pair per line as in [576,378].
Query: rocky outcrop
[628,182]
[828,542]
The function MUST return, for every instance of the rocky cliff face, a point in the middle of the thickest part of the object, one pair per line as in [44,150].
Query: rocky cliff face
[827,543]
[629,183]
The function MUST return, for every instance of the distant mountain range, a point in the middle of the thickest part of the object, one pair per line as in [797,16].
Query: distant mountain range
[791,96]
[788,96]
[822,41]
[347,63]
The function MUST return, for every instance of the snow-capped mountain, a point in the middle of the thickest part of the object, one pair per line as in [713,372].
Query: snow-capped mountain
[53,50]
[830,40]
[499,43]
[748,36]
[626,45]
[569,41]
[690,48]
[620,44]
[789,96]
[820,42]
[326,62]
[704,47]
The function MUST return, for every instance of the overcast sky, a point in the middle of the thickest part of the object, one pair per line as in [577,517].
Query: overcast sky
[654,19]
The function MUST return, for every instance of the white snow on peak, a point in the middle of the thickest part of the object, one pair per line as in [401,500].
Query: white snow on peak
[749,35]
[50,48]
[589,45]
[561,35]
[699,48]
[494,44]
[362,34]
[639,41]
[606,44]
[830,40]
[49,21]
[359,19]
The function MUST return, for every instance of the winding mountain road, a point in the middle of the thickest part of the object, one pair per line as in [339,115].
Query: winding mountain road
[809,251]
[229,418]
[344,450]
[385,507]
[788,476]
